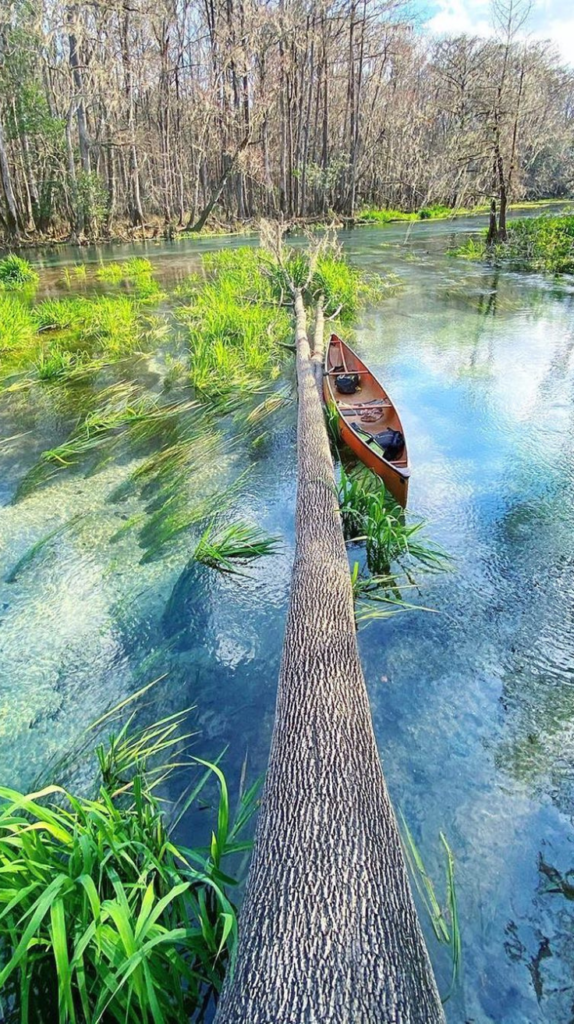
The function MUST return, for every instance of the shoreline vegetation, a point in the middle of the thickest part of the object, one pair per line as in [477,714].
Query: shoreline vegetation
[544,243]
[155,230]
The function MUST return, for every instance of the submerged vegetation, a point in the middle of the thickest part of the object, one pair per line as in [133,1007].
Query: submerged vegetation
[58,337]
[536,243]
[395,550]
[445,922]
[370,514]
[103,915]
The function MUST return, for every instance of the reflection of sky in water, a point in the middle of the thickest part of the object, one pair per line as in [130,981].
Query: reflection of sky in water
[473,706]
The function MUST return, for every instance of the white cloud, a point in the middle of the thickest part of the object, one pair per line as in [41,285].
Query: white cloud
[549,19]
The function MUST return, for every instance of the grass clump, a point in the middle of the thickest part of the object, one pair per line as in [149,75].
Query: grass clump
[16,272]
[130,269]
[98,323]
[233,546]
[103,916]
[544,243]
[235,326]
[370,514]
[76,273]
[17,328]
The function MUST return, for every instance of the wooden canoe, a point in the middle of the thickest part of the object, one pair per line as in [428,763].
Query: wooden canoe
[362,415]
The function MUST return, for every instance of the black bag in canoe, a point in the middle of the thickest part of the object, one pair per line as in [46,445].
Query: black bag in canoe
[347,383]
[392,442]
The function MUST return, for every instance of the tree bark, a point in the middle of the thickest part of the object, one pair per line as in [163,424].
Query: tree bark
[12,218]
[202,219]
[328,930]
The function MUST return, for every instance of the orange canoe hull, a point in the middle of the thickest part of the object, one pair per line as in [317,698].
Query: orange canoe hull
[363,414]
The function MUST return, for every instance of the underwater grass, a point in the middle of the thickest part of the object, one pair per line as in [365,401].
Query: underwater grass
[16,272]
[36,549]
[61,340]
[229,547]
[445,924]
[76,273]
[380,597]
[103,916]
[17,327]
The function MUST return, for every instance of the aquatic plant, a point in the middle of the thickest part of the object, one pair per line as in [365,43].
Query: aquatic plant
[370,514]
[235,327]
[379,597]
[16,272]
[101,322]
[332,420]
[232,546]
[103,916]
[339,284]
[36,549]
[445,924]
[16,325]
[76,273]
[126,271]
[175,511]
[543,243]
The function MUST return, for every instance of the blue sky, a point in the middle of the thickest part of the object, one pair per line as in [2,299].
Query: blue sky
[549,19]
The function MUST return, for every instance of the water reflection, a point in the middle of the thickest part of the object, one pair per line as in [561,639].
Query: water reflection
[473,708]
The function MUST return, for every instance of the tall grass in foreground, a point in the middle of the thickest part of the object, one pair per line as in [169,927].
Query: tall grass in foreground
[103,917]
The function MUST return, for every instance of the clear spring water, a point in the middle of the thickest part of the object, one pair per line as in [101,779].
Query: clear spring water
[473,705]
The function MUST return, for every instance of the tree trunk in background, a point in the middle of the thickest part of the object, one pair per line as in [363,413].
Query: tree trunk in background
[202,219]
[12,219]
[79,89]
[328,930]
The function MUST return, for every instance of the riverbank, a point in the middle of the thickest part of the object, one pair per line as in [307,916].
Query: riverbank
[156,230]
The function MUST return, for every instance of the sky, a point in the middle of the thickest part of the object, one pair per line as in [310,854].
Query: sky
[549,19]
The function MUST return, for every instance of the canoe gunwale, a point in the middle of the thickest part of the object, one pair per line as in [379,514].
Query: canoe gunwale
[401,473]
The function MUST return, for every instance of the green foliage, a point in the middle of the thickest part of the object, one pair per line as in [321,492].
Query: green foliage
[373,215]
[339,284]
[101,323]
[16,272]
[92,198]
[16,325]
[128,271]
[369,513]
[445,923]
[103,917]
[234,325]
[473,249]
[379,596]
[232,546]
[544,243]
[33,552]
[76,273]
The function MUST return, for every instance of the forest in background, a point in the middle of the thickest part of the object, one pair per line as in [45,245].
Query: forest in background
[121,115]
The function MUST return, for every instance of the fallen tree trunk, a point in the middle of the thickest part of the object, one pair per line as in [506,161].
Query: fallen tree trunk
[328,931]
